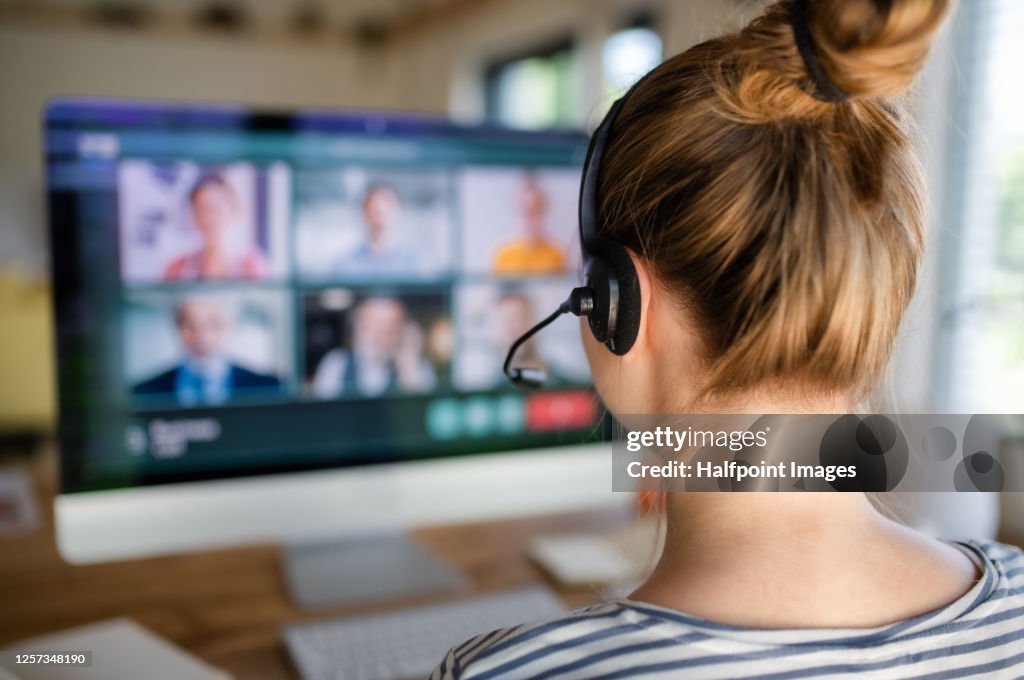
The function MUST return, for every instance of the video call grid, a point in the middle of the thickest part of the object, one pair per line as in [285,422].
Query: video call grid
[297,288]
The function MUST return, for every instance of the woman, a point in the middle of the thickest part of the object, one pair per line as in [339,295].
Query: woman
[532,252]
[226,253]
[767,190]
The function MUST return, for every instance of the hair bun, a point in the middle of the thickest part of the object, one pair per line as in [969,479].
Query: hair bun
[872,48]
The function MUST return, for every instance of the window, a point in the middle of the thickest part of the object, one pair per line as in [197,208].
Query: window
[536,90]
[543,88]
[981,357]
[627,55]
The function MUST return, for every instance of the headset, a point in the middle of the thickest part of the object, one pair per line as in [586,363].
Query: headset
[610,295]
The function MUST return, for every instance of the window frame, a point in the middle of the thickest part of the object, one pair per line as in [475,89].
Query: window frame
[491,75]
[959,293]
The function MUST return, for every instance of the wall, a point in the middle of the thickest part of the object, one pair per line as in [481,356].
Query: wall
[38,63]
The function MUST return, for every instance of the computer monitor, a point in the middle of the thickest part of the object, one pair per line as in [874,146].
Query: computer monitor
[282,326]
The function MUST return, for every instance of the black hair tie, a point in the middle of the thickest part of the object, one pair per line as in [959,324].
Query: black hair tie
[823,87]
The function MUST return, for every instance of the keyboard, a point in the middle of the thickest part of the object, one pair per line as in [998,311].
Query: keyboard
[407,643]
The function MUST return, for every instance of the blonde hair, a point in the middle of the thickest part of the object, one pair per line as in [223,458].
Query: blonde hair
[788,228]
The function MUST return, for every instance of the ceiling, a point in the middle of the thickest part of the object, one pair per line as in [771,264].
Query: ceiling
[362,16]
[264,10]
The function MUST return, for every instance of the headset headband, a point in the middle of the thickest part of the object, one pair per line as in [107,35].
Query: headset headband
[591,174]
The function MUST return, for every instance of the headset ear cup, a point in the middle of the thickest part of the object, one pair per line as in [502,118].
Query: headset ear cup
[627,326]
[627,312]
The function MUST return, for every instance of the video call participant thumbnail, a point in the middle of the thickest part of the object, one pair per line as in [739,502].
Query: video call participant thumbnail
[385,353]
[379,253]
[531,251]
[205,375]
[354,223]
[516,222]
[215,209]
[180,221]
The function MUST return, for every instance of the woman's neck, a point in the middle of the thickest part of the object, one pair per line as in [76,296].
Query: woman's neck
[770,398]
[798,560]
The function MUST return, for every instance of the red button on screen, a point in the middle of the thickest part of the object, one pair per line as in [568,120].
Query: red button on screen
[560,411]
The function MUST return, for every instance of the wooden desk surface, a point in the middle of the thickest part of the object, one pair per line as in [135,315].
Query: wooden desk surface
[227,606]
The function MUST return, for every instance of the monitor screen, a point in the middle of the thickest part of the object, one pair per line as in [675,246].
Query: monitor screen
[243,293]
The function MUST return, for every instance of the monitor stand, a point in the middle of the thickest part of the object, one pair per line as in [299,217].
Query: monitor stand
[365,568]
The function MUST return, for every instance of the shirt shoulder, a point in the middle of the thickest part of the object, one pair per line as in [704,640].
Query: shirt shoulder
[254,264]
[1008,561]
[160,383]
[553,251]
[509,257]
[519,258]
[242,377]
[542,647]
[182,267]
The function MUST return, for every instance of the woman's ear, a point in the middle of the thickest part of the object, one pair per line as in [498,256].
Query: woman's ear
[643,277]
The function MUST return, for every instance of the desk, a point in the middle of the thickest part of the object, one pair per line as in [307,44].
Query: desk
[227,606]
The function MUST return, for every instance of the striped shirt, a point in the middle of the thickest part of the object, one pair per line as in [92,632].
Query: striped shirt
[981,634]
